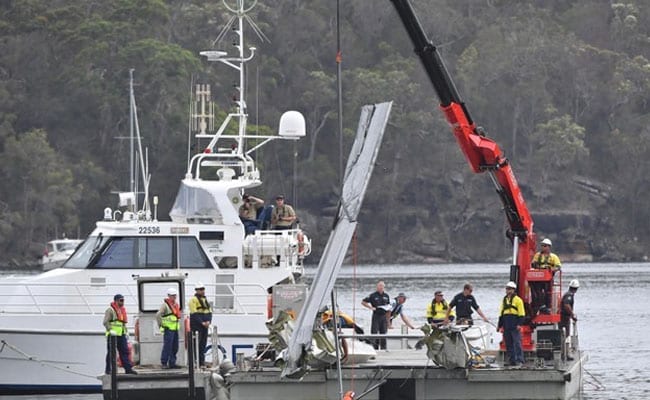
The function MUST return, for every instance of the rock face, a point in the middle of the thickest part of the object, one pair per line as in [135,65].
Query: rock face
[577,237]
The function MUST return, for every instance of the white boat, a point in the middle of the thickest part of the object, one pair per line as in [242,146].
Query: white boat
[57,251]
[51,333]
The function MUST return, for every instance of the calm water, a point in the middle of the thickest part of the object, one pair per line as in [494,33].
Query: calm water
[611,306]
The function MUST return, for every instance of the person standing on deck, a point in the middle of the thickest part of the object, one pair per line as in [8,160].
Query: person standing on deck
[397,309]
[464,302]
[200,318]
[115,323]
[541,291]
[379,303]
[168,317]
[567,314]
[544,259]
[511,315]
[437,309]
[283,214]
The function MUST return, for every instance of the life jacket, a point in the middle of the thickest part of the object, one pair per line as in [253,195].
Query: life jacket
[439,309]
[171,319]
[118,323]
[545,261]
[507,308]
[203,306]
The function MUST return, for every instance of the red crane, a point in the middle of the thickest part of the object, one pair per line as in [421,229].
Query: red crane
[485,156]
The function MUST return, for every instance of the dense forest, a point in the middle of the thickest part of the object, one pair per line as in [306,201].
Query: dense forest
[562,85]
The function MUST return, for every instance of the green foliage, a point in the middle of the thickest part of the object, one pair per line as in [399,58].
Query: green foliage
[38,192]
[64,69]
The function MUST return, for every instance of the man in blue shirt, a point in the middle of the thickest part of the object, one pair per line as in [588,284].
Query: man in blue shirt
[465,303]
[397,309]
[379,303]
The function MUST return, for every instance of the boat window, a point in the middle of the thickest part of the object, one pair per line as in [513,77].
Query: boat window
[152,293]
[211,235]
[226,262]
[137,252]
[190,254]
[85,252]
[155,253]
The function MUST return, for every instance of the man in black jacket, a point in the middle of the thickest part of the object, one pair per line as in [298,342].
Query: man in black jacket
[379,303]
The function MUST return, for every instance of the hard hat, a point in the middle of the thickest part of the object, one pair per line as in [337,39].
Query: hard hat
[574,284]
[172,292]
[199,285]
[547,241]
[511,284]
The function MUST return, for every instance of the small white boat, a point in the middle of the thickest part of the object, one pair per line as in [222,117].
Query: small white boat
[57,252]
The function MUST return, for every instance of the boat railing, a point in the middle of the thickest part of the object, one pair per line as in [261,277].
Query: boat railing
[61,297]
[239,298]
[52,298]
[242,166]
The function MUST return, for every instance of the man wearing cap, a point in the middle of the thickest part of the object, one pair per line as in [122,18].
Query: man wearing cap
[248,212]
[283,214]
[511,315]
[397,308]
[200,318]
[115,320]
[168,317]
[437,309]
[379,303]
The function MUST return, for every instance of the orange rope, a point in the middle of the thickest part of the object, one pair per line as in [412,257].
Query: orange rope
[354,300]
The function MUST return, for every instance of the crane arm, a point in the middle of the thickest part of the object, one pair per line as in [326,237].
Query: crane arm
[481,152]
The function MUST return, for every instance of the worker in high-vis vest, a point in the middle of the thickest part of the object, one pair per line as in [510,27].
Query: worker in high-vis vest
[437,310]
[511,315]
[169,317]
[200,319]
[115,323]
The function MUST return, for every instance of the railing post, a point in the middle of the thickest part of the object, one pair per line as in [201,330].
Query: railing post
[215,346]
[189,339]
[112,345]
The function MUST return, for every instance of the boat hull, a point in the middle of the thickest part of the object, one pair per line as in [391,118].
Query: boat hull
[35,361]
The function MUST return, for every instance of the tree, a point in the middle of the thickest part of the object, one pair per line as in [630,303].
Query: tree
[39,194]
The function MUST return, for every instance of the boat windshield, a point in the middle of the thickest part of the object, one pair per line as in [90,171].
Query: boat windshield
[80,259]
[128,252]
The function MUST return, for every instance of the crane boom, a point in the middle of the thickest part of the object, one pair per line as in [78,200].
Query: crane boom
[484,155]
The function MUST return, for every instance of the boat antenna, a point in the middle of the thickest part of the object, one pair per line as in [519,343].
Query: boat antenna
[143,164]
[190,122]
[131,136]
[237,62]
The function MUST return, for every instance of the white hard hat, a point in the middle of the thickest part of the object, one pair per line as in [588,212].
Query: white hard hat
[511,284]
[199,285]
[547,241]
[574,284]
[172,292]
